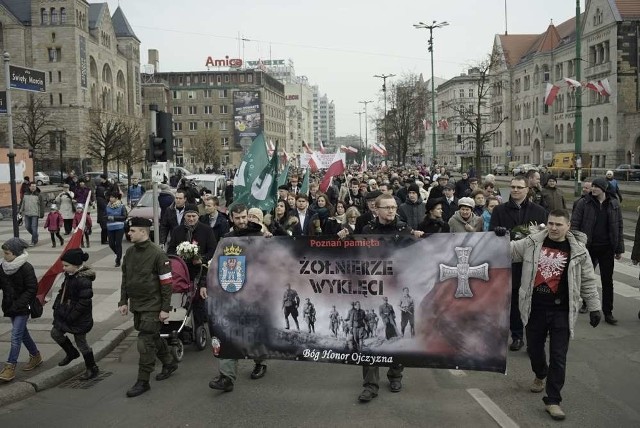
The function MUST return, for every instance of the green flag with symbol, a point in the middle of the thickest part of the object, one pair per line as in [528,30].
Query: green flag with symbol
[251,166]
[304,187]
[262,191]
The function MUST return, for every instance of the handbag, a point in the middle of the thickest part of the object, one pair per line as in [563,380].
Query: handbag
[36,308]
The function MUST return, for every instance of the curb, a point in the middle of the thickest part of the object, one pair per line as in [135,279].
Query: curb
[56,375]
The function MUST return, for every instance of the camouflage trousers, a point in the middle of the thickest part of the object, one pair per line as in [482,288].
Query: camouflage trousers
[150,343]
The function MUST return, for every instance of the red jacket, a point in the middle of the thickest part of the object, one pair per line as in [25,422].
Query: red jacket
[76,220]
[54,221]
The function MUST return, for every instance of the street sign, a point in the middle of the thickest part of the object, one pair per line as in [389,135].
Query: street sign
[26,79]
[159,171]
[3,102]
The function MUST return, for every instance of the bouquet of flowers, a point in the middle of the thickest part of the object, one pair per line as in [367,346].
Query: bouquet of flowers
[524,230]
[188,250]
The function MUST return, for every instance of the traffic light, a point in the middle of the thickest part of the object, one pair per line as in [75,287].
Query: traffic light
[157,149]
[165,130]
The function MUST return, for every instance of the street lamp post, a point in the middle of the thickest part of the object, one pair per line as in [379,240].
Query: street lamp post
[431,27]
[58,136]
[360,113]
[578,115]
[384,78]
[366,134]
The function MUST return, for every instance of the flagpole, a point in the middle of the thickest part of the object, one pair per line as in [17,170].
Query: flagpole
[578,123]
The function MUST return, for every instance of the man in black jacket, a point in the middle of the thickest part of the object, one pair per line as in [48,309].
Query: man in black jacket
[173,216]
[518,211]
[214,218]
[367,216]
[101,201]
[229,367]
[599,216]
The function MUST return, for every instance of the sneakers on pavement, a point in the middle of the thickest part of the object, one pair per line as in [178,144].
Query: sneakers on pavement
[537,385]
[555,411]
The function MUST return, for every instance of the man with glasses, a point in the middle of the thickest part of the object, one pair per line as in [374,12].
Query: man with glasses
[517,211]
[386,223]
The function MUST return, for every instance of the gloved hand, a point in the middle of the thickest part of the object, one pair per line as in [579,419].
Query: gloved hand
[594,318]
[500,231]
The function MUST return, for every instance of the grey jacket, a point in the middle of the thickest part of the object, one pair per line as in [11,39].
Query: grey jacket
[32,204]
[457,224]
[581,276]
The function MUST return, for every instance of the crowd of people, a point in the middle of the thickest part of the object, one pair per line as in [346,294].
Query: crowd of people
[546,297]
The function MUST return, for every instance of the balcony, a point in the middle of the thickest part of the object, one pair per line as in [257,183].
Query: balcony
[598,69]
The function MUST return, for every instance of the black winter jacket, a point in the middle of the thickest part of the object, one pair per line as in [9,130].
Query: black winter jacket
[72,309]
[510,215]
[412,212]
[583,218]
[430,225]
[18,290]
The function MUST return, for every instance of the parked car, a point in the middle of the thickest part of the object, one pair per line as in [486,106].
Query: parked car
[112,175]
[54,177]
[523,168]
[499,169]
[41,178]
[627,172]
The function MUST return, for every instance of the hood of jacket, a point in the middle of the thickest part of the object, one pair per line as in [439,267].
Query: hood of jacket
[574,237]
[86,272]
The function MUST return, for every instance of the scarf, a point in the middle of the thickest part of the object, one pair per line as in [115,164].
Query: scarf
[190,230]
[12,267]
[116,204]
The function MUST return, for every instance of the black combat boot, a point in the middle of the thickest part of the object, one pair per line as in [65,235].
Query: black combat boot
[92,369]
[221,383]
[139,388]
[166,371]
[72,352]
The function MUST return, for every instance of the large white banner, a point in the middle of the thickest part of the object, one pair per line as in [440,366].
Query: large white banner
[325,159]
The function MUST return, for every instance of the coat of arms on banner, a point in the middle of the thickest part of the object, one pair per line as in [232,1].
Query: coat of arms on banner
[232,269]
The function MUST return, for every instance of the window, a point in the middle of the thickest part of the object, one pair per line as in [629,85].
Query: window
[249,78]
[180,80]
[208,125]
[222,93]
[527,82]
[545,73]
[598,130]
[50,77]
[54,16]
[536,75]
[242,78]
[177,110]
[193,126]
[223,126]
[219,79]
[44,17]
[176,95]
[461,93]
[193,110]
[470,92]
[59,76]
[208,109]
[605,129]
[590,129]
[63,15]
[223,109]
[206,93]
[224,141]
[55,54]
[177,143]
[191,95]
[177,126]
[226,78]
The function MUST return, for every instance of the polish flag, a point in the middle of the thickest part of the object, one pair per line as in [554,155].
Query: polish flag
[443,124]
[348,149]
[571,82]
[321,146]
[336,168]
[286,156]
[307,149]
[606,88]
[594,86]
[551,94]
[314,163]
[363,165]
[384,149]
[46,282]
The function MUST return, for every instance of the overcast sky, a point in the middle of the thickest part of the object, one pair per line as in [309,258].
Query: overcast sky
[338,44]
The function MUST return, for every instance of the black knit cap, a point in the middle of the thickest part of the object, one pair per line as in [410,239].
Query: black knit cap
[140,222]
[75,257]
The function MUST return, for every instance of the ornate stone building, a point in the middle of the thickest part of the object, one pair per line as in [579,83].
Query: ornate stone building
[532,131]
[91,60]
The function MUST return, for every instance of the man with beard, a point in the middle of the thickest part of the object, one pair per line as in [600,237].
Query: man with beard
[229,367]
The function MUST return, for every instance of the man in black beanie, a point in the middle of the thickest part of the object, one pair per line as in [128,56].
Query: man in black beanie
[599,216]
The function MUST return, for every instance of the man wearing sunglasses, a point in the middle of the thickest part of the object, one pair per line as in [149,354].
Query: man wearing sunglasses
[517,211]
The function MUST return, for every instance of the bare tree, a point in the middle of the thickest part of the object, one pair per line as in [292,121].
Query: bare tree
[479,118]
[132,148]
[205,147]
[33,122]
[105,137]
[406,100]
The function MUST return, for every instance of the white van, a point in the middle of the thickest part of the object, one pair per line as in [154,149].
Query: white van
[214,182]
[175,169]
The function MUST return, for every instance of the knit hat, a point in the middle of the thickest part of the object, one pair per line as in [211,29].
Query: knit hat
[75,257]
[552,177]
[256,212]
[15,245]
[53,207]
[467,202]
[413,187]
[601,183]
[140,222]
[191,208]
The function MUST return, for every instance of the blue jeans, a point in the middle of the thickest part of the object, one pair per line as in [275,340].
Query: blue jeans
[31,224]
[19,335]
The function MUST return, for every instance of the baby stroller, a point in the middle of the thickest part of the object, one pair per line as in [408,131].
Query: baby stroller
[181,327]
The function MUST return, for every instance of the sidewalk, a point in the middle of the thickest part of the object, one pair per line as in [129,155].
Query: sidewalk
[109,326]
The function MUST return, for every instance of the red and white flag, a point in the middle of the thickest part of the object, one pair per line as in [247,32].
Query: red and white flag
[379,148]
[46,282]
[314,163]
[384,149]
[551,94]
[336,168]
[443,124]
[307,149]
[286,156]
[363,165]
[571,82]
[594,86]
[321,146]
[605,90]
[348,149]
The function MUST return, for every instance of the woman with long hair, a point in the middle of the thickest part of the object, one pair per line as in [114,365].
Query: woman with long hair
[280,221]
[322,222]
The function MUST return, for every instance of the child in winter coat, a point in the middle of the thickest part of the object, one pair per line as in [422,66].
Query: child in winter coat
[53,224]
[72,311]
[87,226]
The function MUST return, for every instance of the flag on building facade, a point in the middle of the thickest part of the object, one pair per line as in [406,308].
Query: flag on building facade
[594,86]
[336,168]
[605,90]
[571,82]
[551,93]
